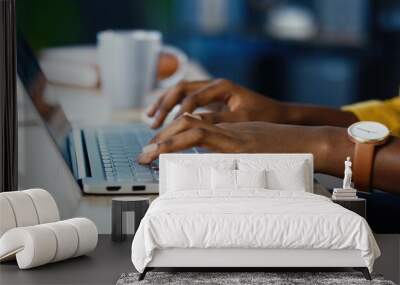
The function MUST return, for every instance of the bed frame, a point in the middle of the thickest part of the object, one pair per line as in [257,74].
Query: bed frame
[242,259]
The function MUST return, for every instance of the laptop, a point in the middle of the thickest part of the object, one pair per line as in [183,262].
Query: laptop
[102,159]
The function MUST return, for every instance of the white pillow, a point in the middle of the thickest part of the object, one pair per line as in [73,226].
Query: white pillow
[292,179]
[225,179]
[188,175]
[288,175]
[251,178]
[183,177]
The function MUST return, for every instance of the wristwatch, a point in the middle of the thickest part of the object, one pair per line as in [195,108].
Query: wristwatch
[366,135]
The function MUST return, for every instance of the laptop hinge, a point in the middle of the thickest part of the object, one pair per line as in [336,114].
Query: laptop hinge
[77,137]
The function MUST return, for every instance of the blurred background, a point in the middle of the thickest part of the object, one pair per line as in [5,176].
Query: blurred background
[329,52]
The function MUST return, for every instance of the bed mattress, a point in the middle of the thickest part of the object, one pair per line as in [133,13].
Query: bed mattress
[250,219]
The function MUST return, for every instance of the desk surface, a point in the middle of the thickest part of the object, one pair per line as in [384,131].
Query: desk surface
[103,266]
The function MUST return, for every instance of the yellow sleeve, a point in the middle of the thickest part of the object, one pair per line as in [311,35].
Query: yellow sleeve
[386,112]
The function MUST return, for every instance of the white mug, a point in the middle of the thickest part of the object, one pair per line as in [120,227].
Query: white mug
[128,63]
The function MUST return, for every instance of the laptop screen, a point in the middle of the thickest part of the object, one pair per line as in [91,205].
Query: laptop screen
[35,84]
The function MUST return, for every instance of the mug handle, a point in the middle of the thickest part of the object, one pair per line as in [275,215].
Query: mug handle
[179,73]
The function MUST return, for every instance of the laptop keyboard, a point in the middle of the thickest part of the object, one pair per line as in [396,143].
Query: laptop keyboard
[119,151]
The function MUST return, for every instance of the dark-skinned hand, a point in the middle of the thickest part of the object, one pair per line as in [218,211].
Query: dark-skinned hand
[245,137]
[229,102]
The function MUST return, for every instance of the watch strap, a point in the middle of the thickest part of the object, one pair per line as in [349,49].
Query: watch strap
[362,165]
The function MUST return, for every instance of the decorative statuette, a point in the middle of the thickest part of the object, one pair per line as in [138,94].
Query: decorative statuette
[347,192]
[347,174]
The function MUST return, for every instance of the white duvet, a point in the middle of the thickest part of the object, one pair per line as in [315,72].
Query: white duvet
[250,219]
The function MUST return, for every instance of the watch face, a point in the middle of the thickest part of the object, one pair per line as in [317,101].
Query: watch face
[366,131]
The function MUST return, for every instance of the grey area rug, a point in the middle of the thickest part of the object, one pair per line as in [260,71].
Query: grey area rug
[233,278]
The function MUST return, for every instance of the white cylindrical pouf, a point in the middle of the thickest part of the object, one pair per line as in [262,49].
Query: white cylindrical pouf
[41,244]
[23,208]
[45,205]
[34,245]
[87,234]
[67,239]
[7,218]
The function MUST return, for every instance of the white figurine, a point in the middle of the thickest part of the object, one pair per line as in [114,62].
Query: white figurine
[347,192]
[347,174]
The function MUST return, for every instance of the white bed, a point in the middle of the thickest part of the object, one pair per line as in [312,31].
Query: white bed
[249,227]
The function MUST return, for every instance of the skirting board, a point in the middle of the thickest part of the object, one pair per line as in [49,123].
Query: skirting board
[177,257]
